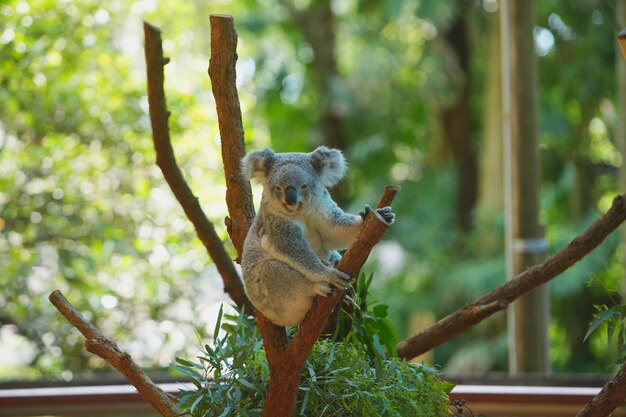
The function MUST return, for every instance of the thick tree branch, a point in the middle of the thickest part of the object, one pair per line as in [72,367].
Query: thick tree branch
[611,396]
[223,81]
[166,160]
[499,298]
[100,345]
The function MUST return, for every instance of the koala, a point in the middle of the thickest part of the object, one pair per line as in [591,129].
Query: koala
[291,248]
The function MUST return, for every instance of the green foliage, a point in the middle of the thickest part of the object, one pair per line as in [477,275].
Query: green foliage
[82,207]
[369,325]
[231,378]
[613,320]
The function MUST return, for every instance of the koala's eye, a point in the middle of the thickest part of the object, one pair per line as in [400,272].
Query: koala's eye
[304,187]
[278,188]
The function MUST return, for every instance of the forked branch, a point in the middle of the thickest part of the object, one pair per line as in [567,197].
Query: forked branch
[286,359]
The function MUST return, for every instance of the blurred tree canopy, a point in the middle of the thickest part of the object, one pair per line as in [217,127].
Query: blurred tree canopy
[84,209]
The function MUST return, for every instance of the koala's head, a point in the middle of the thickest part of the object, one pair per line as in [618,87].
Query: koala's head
[294,182]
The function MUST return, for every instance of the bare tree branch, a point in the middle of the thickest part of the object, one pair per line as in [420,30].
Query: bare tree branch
[223,82]
[100,345]
[166,160]
[499,298]
[611,396]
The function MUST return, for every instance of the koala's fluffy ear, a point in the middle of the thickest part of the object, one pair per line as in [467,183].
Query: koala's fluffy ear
[256,164]
[330,165]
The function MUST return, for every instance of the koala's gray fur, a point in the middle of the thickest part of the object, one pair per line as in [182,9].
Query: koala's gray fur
[291,248]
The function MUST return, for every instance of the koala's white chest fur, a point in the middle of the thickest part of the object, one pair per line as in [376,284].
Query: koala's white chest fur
[314,235]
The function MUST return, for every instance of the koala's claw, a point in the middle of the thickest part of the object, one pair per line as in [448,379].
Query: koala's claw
[384,212]
[387,215]
[366,209]
[323,290]
[339,279]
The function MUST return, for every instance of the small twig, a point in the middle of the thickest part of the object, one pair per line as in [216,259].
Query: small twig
[100,345]
[499,298]
[611,396]
[155,62]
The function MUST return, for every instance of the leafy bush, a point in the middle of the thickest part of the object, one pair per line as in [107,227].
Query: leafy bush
[339,379]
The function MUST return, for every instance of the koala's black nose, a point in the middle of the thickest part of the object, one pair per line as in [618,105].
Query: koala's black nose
[291,195]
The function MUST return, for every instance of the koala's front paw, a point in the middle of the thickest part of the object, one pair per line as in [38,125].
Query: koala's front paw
[366,209]
[388,216]
[337,278]
[384,213]
[323,289]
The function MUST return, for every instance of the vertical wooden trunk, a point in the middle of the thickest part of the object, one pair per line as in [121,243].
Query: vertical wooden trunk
[281,397]
[528,316]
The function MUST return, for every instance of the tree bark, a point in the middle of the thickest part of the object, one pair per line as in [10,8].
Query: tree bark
[609,398]
[159,115]
[499,298]
[223,82]
[108,350]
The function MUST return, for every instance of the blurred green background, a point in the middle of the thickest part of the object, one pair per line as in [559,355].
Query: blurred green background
[84,209]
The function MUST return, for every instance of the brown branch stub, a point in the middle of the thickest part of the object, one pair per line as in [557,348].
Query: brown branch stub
[223,81]
[73,316]
[388,195]
[166,161]
[499,298]
[611,396]
[108,350]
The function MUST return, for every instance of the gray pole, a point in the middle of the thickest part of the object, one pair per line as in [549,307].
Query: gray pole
[529,315]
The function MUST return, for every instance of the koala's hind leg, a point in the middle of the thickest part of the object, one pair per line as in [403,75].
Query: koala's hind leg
[286,295]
